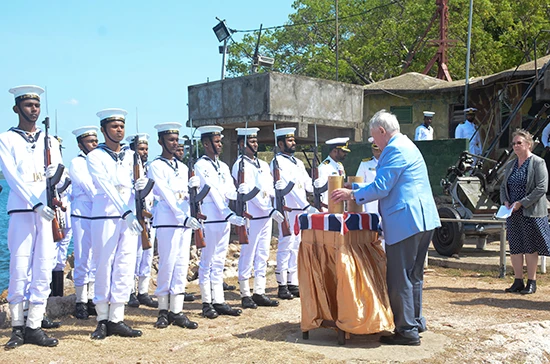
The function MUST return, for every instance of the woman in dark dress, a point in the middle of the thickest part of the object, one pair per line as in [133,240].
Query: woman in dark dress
[524,190]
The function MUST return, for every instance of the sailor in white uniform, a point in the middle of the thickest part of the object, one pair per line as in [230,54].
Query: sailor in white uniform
[255,254]
[332,165]
[174,226]
[293,170]
[425,131]
[215,173]
[30,238]
[115,227]
[82,196]
[467,130]
[367,170]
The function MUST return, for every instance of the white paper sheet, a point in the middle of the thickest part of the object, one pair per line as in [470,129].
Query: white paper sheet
[504,212]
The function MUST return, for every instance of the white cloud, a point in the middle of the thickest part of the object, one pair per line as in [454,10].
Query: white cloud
[72,102]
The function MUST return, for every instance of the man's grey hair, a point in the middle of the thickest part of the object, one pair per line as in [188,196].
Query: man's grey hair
[385,119]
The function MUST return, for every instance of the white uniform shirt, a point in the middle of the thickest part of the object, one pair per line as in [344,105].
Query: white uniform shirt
[367,170]
[545,137]
[81,181]
[424,133]
[465,131]
[22,162]
[293,169]
[329,167]
[216,174]
[257,173]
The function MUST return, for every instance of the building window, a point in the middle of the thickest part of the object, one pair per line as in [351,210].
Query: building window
[404,114]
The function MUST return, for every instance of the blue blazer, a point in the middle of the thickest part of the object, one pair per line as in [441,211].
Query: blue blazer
[403,191]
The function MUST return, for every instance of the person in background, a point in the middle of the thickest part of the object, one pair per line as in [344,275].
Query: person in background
[180,151]
[524,191]
[469,130]
[332,165]
[425,131]
[367,170]
[545,140]
[409,217]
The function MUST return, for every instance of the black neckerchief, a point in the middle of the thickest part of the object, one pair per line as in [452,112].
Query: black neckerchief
[116,156]
[289,157]
[26,135]
[255,162]
[216,164]
[168,162]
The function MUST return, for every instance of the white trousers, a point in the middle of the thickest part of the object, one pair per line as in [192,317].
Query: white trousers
[255,254]
[84,270]
[144,258]
[287,254]
[61,248]
[174,248]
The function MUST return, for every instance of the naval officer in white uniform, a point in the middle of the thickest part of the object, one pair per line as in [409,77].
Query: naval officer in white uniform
[469,130]
[332,165]
[425,131]
[367,170]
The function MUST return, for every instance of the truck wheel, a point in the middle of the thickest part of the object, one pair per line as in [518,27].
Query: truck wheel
[449,238]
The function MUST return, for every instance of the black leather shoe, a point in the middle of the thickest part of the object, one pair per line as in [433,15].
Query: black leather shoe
[295,290]
[133,301]
[91,308]
[39,337]
[284,293]
[100,331]
[530,287]
[181,320]
[162,321]
[247,302]
[227,287]
[47,323]
[81,311]
[146,300]
[517,286]
[263,300]
[189,297]
[398,339]
[208,311]
[17,337]
[225,309]
[121,329]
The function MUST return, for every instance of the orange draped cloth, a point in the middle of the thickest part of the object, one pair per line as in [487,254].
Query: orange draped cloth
[343,279]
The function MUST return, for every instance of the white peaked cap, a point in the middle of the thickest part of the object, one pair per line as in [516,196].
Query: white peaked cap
[249,132]
[112,115]
[336,141]
[210,129]
[85,131]
[429,114]
[168,128]
[284,132]
[31,91]
[142,138]
[470,110]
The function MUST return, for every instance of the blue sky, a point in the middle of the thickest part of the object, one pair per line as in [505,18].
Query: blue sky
[98,54]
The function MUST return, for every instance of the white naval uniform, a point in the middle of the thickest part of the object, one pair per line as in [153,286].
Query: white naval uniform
[82,196]
[329,167]
[30,238]
[367,170]
[114,246]
[215,206]
[62,246]
[465,131]
[174,239]
[291,169]
[545,137]
[424,132]
[255,254]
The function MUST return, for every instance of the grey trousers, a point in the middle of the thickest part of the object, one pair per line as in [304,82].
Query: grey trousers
[405,277]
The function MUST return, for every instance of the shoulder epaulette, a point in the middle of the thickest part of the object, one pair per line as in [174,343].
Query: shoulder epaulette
[366,159]
[326,162]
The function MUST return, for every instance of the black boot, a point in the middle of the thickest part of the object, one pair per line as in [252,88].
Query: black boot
[227,287]
[81,311]
[47,323]
[91,308]
[530,287]
[284,293]
[133,301]
[294,290]
[121,329]
[189,297]
[517,286]
[57,283]
[247,302]
[146,300]
[181,320]
[208,311]
[17,337]
[162,321]
[39,337]
[100,331]
[225,309]
[263,300]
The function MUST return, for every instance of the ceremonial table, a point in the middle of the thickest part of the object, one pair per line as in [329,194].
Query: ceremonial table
[342,274]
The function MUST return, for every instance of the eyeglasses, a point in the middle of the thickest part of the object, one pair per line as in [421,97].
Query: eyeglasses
[516,143]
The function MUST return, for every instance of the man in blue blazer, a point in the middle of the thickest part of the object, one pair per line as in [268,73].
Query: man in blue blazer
[409,217]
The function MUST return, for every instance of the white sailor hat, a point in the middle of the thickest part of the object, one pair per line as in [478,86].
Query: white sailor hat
[168,128]
[143,138]
[108,115]
[284,132]
[429,114]
[249,132]
[339,143]
[210,130]
[183,141]
[85,131]
[26,92]
[470,110]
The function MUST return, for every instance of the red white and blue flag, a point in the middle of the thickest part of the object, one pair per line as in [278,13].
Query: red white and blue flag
[336,222]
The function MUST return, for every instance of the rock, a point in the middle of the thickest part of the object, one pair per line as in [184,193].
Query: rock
[60,306]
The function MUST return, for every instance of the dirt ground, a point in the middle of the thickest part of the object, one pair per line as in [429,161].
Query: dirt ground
[470,320]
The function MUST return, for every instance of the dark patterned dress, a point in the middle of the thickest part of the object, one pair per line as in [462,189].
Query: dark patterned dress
[526,235]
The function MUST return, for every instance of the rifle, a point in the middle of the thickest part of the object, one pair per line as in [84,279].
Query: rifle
[317,192]
[141,212]
[52,197]
[240,206]
[280,194]
[195,197]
